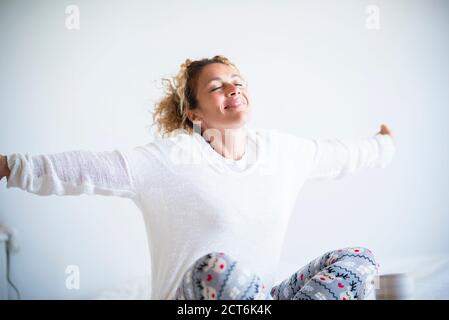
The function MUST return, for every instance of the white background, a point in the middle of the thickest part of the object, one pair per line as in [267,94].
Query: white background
[314,70]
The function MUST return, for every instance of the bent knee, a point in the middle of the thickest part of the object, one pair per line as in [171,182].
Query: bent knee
[217,275]
[362,251]
[217,262]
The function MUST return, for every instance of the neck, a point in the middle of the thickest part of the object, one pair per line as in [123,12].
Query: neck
[231,143]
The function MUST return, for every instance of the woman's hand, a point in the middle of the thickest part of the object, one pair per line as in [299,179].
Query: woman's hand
[385,130]
[4,170]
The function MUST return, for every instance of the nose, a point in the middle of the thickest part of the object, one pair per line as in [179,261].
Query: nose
[233,90]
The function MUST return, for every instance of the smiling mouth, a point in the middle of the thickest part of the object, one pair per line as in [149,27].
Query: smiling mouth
[235,104]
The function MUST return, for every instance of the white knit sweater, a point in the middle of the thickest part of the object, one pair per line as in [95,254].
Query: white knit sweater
[195,201]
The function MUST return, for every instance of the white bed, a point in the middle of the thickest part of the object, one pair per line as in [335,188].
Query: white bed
[430,274]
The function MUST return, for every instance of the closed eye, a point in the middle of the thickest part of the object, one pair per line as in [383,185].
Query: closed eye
[237,84]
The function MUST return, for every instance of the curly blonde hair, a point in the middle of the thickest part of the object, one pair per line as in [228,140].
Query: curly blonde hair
[170,112]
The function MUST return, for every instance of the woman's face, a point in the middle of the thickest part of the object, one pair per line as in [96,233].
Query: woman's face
[222,98]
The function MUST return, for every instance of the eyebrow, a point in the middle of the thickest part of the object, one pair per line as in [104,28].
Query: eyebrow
[218,78]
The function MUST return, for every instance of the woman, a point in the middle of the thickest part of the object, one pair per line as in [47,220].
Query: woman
[216,196]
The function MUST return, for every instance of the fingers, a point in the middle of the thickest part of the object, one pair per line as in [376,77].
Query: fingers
[384,130]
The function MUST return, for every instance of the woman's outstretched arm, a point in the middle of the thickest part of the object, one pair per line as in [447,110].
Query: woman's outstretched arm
[69,173]
[336,158]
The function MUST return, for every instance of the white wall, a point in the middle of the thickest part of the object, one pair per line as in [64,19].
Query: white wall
[314,69]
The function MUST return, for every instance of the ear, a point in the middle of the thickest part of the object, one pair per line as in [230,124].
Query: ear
[193,116]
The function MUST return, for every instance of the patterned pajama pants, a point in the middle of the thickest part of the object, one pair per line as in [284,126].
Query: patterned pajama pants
[342,274]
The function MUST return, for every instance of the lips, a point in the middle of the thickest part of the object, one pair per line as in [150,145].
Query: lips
[235,103]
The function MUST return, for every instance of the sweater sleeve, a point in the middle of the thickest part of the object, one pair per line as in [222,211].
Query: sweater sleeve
[72,173]
[337,158]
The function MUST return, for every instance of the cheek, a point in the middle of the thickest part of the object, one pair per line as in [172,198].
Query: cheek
[211,109]
[212,100]
[218,99]
[215,104]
